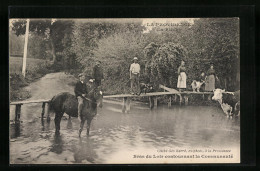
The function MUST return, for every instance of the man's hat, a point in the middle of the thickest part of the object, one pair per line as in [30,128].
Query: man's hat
[135,58]
[80,75]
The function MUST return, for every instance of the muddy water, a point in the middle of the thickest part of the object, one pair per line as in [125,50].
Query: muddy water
[114,135]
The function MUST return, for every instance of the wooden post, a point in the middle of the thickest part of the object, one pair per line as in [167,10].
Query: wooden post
[175,97]
[203,96]
[17,112]
[209,97]
[180,99]
[186,98]
[151,102]
[43,109]
[124,104]
[25,47]
[155,102]
[48,112]
[170,101]
[128,104]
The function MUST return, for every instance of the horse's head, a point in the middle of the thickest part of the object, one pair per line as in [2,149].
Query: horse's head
[98,96]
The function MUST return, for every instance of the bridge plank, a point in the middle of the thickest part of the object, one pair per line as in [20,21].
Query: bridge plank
[155,94]
[121,96]
[30,101]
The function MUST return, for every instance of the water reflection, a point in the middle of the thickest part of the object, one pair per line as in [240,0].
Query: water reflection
[57,146]
[15,130]
[114,133]
[84,151]
[69,124]
[45,127]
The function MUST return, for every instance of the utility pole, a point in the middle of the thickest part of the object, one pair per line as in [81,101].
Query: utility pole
[25,47]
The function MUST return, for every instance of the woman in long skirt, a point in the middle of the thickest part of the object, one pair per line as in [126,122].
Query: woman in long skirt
[210,79]
[181,85]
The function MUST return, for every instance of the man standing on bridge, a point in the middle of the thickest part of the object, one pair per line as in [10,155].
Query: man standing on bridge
[80,92]
[98,74]
[134,76]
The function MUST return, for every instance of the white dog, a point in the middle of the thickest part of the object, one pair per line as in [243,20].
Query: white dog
[196,85]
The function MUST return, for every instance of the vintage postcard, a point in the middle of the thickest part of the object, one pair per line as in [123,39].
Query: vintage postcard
[124,90]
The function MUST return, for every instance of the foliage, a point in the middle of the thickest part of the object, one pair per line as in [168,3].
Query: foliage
[36,46]
[86,36]
[16,44]
[116,53]
[35,70]
[165,62]
[207,40]
[50,31]
[218,42]
[78,44]
[15,64]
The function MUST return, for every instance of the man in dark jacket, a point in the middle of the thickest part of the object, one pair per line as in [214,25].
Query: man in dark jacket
[80,92]
[98,74]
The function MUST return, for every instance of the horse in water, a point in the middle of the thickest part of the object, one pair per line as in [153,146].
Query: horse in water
[68,103]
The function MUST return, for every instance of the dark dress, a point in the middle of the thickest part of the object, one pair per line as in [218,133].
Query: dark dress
[210,81]
[98,75]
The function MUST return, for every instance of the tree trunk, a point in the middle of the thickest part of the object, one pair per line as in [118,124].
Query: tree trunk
[53,51]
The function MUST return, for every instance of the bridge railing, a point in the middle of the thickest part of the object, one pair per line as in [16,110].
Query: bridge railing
[126,100]
[18,106]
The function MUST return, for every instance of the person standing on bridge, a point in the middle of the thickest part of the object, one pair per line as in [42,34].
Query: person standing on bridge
[80,92]
[134,76]
[181,85]
[210,80]
[98,74]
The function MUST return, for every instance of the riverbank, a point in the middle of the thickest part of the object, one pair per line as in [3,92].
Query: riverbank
[36,69]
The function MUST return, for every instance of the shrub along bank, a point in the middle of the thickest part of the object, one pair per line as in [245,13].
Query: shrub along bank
[18,82]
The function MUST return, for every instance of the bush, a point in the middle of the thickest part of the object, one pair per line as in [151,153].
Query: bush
[164,63]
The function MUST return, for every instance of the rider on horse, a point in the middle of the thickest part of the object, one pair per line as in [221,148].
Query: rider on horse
[80,92]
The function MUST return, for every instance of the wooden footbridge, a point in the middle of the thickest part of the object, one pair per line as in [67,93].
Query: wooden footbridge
[126,100]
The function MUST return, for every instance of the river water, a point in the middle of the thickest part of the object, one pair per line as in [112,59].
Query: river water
[116,137]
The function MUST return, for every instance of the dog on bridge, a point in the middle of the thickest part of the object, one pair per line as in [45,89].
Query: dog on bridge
[145,88]
[196,85]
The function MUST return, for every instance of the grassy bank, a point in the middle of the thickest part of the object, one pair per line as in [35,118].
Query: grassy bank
[35,69]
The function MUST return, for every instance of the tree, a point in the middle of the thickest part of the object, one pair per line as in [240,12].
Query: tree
[218,42]
[116,53]
[206,40]
[16,44]
[165,62]
[114,43]
[87,34]
[51,30]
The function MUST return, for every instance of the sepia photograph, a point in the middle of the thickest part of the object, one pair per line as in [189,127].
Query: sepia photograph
[124,90]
